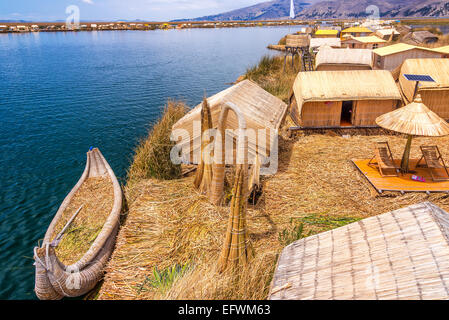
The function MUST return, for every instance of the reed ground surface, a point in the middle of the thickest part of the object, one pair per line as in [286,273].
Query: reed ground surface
[317,187]
[170,244]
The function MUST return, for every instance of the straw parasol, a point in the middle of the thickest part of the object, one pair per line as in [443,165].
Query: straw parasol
[415,119]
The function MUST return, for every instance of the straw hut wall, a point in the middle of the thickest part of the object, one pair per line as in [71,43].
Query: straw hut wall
[402,254]
[386,34]
[329,59]
[333,98]
[355,32]
[297,40]
[391,57]
[435,95]
[260,109]
[369,42]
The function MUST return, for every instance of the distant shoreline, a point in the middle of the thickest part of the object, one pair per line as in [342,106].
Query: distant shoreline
[23,27]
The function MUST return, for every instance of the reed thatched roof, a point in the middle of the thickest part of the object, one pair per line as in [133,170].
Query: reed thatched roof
[326,32]
[414,119]
[424,36]
[368,39]
[444,49]
[398,48]
[357,30]
[261,110]
[319,42]
[387,32]
[438,69]
[344,85]
[297,40]
[402,254]
[350,57]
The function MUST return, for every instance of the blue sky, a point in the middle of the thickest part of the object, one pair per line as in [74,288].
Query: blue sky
[158,10]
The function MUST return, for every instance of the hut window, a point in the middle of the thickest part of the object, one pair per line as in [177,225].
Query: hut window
[346,113]
[375,46]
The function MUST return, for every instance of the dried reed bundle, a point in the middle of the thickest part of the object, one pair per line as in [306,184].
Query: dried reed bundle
[235,248]
[203,178]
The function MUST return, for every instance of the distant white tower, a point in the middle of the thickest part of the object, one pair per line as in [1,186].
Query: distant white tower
[292,9]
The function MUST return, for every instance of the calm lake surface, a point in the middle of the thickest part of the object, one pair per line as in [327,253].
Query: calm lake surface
[61,93]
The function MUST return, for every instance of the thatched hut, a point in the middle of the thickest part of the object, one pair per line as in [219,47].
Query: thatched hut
[402,254]
[306,30]
[326,33]
[329,59]
[342,98]
[404,29]
[260,109]
[368,42]
[355,32]
[317,43]
[420,37]
[391,57]
[435,95]
[388,34]
[297,40]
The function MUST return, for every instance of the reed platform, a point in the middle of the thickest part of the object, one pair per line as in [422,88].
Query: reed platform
[402,183]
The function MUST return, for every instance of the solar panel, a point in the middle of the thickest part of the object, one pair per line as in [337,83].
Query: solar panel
[418,77]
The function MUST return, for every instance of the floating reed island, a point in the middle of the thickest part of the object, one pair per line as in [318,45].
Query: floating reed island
[170,224]
[216,232]
[205,229]
[172,241]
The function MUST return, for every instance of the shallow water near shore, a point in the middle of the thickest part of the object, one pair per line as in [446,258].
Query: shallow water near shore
[61,93]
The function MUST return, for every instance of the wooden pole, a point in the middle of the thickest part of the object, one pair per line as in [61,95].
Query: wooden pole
[406,155]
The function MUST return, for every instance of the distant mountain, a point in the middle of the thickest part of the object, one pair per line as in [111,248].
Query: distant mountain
[277,9]
[315,9]
[14,21]
[387,9]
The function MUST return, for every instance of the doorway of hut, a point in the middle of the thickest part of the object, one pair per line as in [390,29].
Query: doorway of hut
[346,113]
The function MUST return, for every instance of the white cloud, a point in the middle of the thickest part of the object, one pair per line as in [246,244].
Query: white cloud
[88,1]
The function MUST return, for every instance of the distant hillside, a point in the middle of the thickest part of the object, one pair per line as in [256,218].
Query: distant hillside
[387,9]
[277,9]
[315,9]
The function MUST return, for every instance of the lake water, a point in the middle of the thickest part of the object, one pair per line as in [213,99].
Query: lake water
[61,93]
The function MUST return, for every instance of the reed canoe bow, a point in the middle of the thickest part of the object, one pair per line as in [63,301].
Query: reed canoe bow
[54,280]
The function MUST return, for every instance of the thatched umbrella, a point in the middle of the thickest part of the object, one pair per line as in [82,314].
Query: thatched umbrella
[415,119]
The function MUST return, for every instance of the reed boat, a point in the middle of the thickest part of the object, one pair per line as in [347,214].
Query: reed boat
[56,279]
